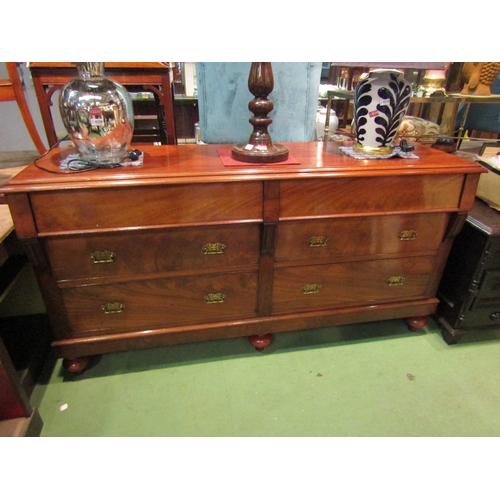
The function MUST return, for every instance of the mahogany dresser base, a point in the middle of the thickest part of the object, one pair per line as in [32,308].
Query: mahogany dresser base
[260,342]
[184,249]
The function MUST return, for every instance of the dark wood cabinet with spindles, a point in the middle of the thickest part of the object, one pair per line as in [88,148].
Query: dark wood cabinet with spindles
[469,291]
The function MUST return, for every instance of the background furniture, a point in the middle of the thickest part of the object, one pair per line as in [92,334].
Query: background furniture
[223,98]
[11,89]
[23,345]
[17,417]
[48,77]
[481,117]
[186,102]
[456,123]
[191,246]
[149,117]
[186,117]
[346,75]
[470,287]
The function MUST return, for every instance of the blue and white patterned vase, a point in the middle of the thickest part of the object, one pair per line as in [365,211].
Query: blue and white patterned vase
[381,100]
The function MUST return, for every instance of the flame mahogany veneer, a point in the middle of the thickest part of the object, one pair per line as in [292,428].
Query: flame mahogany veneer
[184,249]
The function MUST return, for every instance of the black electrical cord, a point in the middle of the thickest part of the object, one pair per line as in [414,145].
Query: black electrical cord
[87,166]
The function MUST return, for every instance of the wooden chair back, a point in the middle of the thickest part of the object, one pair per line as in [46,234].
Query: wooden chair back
[11,89]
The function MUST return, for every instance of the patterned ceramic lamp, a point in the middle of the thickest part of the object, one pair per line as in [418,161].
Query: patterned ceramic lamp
[381,100]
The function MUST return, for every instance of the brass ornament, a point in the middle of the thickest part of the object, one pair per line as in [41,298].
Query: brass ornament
[215,298]
[113,308]
[407,235]
[213,248]
[395,280]
[317,241]
[312,288]
[103,257]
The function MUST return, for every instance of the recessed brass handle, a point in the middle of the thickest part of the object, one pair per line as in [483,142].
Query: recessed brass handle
[215,298]
[213,248]
[103,257]
[113,308]
[395,280]
[312,288]
[317,241]
[407,235]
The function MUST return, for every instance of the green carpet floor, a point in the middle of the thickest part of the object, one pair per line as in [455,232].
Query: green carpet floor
[373,379]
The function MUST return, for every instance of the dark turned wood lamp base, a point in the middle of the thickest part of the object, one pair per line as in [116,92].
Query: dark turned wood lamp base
[274,154]
[260,147]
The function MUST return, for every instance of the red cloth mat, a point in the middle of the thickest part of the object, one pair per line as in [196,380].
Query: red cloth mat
[228,161]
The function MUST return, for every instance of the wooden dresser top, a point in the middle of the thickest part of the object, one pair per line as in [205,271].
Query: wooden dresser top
[202,163]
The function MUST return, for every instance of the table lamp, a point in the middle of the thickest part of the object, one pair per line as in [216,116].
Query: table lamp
[260,147]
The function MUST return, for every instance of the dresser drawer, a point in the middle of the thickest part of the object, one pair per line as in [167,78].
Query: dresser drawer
[341,237]
[330,197]
[161,302]
[304,288]
[492,255]
[481,317]
[145,206]
[489,290]
[140,252]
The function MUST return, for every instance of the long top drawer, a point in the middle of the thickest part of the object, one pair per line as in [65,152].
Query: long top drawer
[327,197]
[131,207]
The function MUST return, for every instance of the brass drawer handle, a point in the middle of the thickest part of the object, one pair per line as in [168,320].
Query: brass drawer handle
[407,235]
[113,308]
[317,241]
[215,298]
[312,288]
[213,248]
[103,257]
[395,280]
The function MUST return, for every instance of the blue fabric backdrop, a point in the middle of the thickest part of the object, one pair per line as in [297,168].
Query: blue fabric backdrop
[223,98]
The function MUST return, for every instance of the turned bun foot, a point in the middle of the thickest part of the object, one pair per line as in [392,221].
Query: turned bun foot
[416,323]
[260,342]
[76,365]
